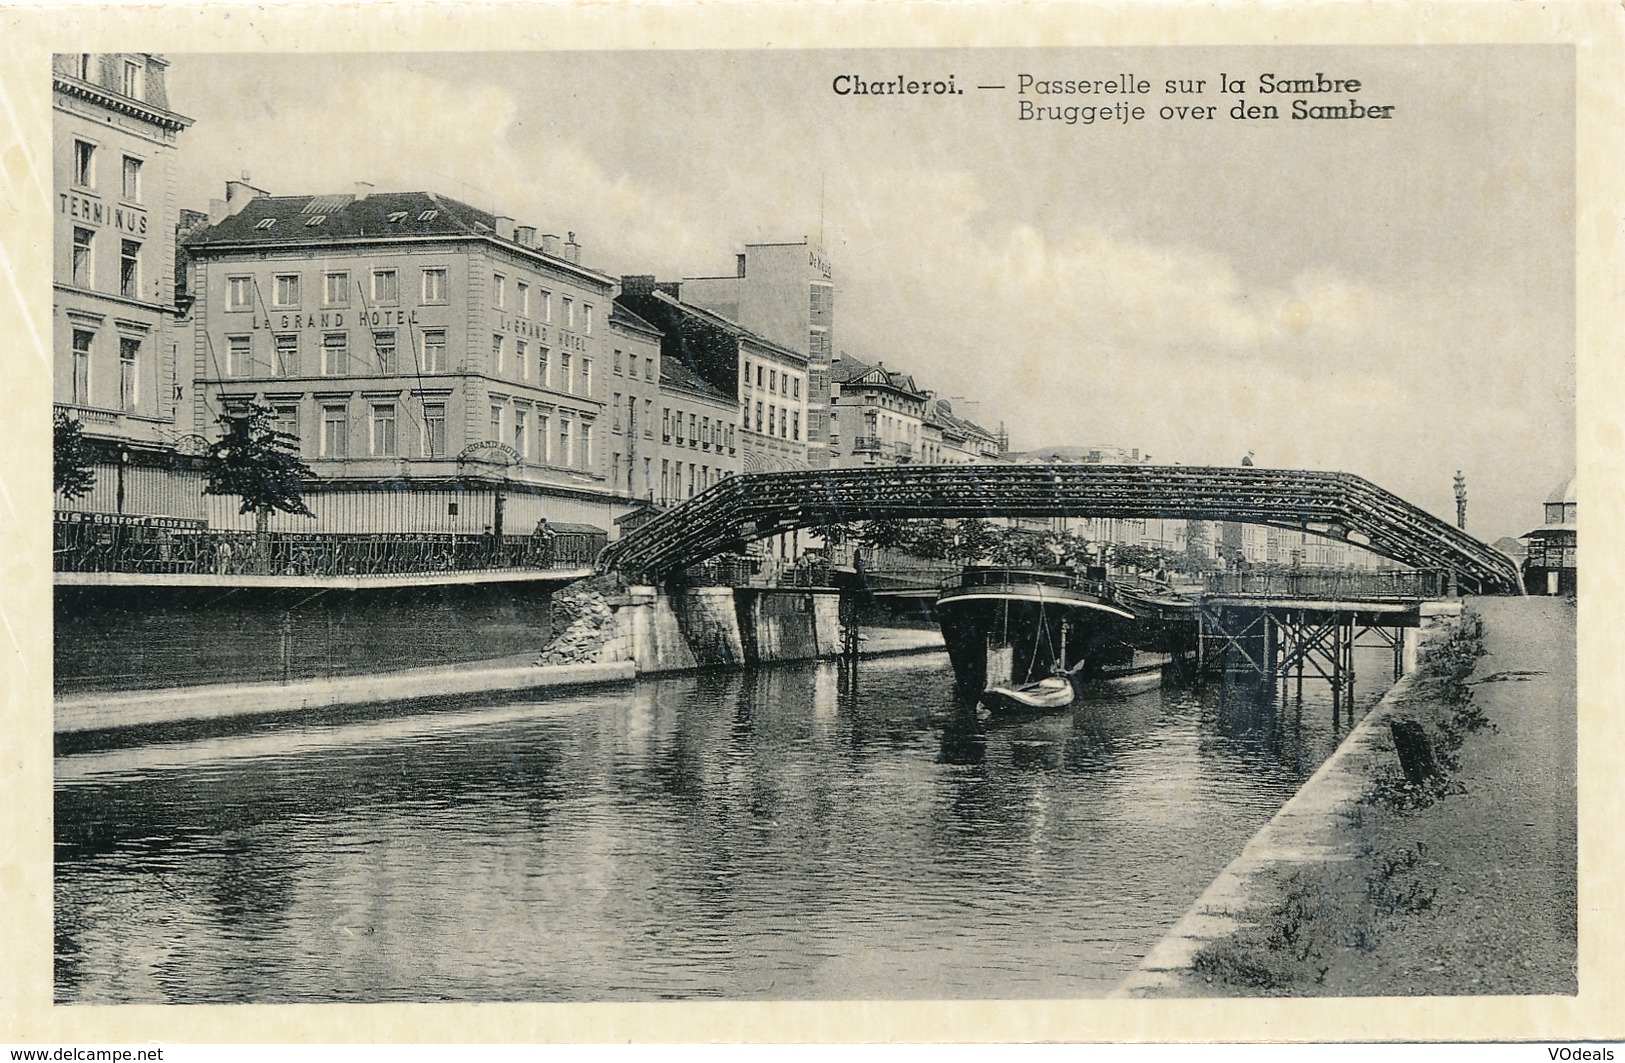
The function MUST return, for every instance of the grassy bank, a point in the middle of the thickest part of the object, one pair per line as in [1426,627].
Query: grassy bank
[1449,880]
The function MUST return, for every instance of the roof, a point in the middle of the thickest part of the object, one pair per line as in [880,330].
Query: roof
[1564,492]
[718,321]
[675,374]
[620,315]
[855,372]
[941,414]
[283,221]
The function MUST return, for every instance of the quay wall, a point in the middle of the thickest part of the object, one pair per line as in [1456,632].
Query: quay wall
[153,653]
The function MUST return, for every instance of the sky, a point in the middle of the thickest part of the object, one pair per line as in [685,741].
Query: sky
[1392,298]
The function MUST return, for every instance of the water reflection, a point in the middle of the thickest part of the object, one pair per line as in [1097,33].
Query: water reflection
[777,834]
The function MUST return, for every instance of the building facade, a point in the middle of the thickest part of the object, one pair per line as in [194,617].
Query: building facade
[784,293]
[878,417]
[710,357]
[114,336]
[443,369]
[1551,566]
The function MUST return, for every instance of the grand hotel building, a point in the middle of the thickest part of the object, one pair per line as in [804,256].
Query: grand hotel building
[444,369]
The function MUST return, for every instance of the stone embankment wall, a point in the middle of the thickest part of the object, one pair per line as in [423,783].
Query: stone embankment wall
[598,622]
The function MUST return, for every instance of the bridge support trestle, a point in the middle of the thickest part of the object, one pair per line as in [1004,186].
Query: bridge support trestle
[1282,644]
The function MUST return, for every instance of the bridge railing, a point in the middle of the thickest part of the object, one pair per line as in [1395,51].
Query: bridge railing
[138,548]
[1330,586]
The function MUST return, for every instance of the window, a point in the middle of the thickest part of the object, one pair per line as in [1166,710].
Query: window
[383,345]
[335,432]
[544,443]
[546,304]
[795,426]
[496,423]
[524,299]
[784,424]
[335,354]
[758,412]
[586,376]
[499,290]
[84,164]
[648,418]
[285,348]
[285,293]
[132,179]
[130,84]
[615,421]
[129,352]
[665,425]
[542,367]
[649,369]
[397,216]
[265,224]
[564,370]
[566,450]
[434,429]
[665,478]
[434,350]
[772,381]
[586,319]
[693,432]
[586,444]
[730,439]
[569,313]
[705,432]
[795,387]
[336,289]
[747,372]
[239,354]
[434,285]
[383,429]
[615,367]
[772,412]
[429,215]
[82,339]
[519,441]
[285,419]
[691,479]
[496,353]
[521,356]
[758,376]
[83,260]
[385,286]
[677,428]
[631,414]
[239,293]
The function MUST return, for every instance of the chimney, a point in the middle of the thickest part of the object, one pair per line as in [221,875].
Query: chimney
[572,250]
[240,193]
[634,285]
[739,264]
[363,189]
[503,225]
[525,235]
[550,244]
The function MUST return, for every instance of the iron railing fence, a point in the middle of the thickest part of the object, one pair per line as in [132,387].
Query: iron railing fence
[175,548]
[1331,586]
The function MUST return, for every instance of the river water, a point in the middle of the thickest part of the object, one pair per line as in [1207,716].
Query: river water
[782,834]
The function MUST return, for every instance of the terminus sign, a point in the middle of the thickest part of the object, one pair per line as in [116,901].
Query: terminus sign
[95,212]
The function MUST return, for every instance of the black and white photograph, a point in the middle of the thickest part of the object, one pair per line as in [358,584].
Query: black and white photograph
[812,522]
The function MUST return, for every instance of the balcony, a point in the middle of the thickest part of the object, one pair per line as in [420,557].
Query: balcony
[867,445]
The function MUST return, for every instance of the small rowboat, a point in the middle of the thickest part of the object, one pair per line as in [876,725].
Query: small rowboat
[1055,692]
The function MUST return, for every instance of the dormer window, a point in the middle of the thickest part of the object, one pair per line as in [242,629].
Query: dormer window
[265,223]
[315,219]
[397,216]
[429,215]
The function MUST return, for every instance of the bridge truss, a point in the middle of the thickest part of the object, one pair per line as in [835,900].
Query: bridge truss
[1337,505]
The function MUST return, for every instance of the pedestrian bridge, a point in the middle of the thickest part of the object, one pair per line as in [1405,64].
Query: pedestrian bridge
[1337,505]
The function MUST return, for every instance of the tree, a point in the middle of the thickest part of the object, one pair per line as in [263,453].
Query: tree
[261,466]
[71,473]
